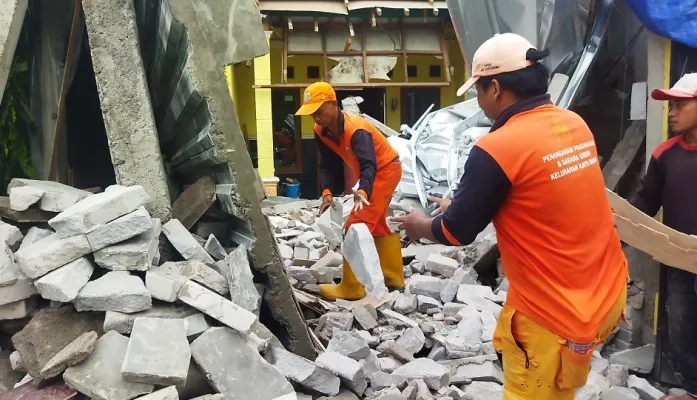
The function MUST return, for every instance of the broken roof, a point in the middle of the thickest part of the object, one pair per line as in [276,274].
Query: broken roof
[342,7]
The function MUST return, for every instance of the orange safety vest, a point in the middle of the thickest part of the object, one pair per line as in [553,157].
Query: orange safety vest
[559,247]
[384,152]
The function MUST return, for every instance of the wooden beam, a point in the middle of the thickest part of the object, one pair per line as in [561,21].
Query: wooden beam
[325,60]
[369,53]
[284,57]
[354,85]
[446,58]
[624,155]
[364,45]
[404,51]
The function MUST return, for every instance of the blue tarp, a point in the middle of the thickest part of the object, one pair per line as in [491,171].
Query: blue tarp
[674,19]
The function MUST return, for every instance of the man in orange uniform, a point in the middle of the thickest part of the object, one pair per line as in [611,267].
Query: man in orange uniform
[536,175]
[345,138]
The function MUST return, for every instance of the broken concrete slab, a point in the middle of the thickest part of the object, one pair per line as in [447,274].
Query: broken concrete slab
[644,388]
[441,265]
[359,249]
[56,196]
[483,391]
[185,244]
[168,393]
[9,270]
[23,197]
[11,235]
[348,370]
[22,289]
[399,317]
[123,323]
[365,315]
[214,248]
[412,340]
[164,284]
[190,206]
[115,291]
[18,309]
[37,348]
[195,325]
[331,224]
[31,215]
[617,374]
[34,234]
[120,229]
[213,351]
[72,354]
[65,283]
[435,375]
[488,371]
[638,360]
[405,303]
[217,307]
[468,296]
[158,352]
[50,253]
[424,285]
[198,272]
[135,254]
[304,372]
[98,209]
[240,280]
[348,345]
[99,376]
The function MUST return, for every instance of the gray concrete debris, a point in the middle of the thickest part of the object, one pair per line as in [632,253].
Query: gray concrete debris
[399,317]
[348,345]
[115,291]
[18,309]
[644,388]
[120,229]
[360,252]
[56,197]
[483,391]
[390,393]
[412,340]
[164,284]
[98,209]
[65,283]
[347,369]
[381,380]
[344,394]
[435,375]
[365,315]
[99,376]
[448,290]
[617,375]
[619,393]
[488,371]
[74,353]
[467,295]
[123,323]
[338,320]
[331,224]
[158,352]
[638,360]
[405,303]
[425,303]
[23,197]
[424,285]
[238,272]
[195,325]
[10,235]
[50,253]
[304,372]
[250,377]
[214,248]
[217,307]
[168,393]
[16,362]
[185,243]
[194,201]
[441,265]
[135,254]
[198,272]
[34,234]
[9,270]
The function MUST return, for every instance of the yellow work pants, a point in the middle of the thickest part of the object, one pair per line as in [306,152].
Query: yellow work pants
[537,364]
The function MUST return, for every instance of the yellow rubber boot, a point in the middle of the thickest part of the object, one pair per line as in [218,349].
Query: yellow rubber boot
[390,252]
[348,289]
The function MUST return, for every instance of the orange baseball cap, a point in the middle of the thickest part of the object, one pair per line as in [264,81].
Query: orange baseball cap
[684,88]
[315,95]
[505,52]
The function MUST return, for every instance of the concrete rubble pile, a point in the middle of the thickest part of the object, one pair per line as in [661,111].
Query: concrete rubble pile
[87,300]
[431,341]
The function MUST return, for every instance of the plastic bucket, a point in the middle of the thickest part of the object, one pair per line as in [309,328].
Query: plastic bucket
[291,190]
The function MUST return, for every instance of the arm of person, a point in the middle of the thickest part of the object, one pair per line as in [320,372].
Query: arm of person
[329,165]
[364,150]
[649,198]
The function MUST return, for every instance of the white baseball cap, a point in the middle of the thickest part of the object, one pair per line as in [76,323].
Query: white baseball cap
[505,52]
[684,88]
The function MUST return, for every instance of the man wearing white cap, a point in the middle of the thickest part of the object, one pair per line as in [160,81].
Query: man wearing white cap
[671,183]
[537,177]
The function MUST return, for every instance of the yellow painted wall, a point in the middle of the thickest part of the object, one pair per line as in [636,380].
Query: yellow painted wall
[244,98]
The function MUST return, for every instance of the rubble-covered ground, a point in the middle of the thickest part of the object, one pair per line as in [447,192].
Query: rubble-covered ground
[87,305]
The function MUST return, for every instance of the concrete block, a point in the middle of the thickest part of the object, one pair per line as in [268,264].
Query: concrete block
[123,323]
[11,235]
[238,272]
[74,353]
[396,351]
[16,362]
[448,290]
[399,317]
[217,307]
[304,372]
[644,388]
[441,265]
[251,377]
[617,375]
[619,393]
[99,376]
[158,352]
[412,340]
[34,234]
[285,250]
[638,360]
[489,323]
[470,327]
[196,199]
[23,197]
[348,345]
[195,325]
[451,309]
[65,283]
[135,254]
[488,371]
[50,253]
[18,309]
[348,370]
[56,197]
[198,272]
[365,315]
[185,243]
[405,303]
[426,303]
[483,391]
[168,393]
[214,248]
[381,380]
[424,285]
[331,224]
[471,295]
[164,284]
[360,252]
[9,270]
[435,375]
[120,229]
[115,291]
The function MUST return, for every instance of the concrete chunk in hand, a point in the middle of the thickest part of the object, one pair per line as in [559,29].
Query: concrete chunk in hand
[65,283]
[56,197]
[185,243]
[158,352]
[99,376]
[217,307]
[120,229]
[135,254]
[50,253]
[359,250]
[98,209]
[115,291]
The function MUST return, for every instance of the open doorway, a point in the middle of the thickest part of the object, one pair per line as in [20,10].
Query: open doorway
[373,101]
[415,101]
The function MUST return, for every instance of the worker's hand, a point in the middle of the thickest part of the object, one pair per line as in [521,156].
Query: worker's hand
[414,224]
[443,205]
[327,201]
[360,199]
